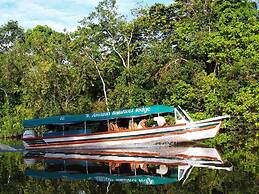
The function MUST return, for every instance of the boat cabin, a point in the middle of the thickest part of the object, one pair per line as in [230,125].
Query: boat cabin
[114,121]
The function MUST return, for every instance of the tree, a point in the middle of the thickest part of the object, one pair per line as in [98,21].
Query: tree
[10,33]
[105,39]
[54,83]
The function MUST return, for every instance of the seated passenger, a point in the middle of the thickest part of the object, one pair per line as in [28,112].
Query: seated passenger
[113,127]
[136,165]
[132,125]
[143,166]
[160,121]
[114,165]
[110,128]
[116,128]
[142,124]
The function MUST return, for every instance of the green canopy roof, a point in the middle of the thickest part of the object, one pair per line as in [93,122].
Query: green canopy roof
[126,113]
[102,177]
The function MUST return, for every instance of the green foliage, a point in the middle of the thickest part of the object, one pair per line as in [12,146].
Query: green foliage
[10,33]
[201,55]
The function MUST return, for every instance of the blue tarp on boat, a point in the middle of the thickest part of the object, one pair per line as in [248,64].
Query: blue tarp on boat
[126,113]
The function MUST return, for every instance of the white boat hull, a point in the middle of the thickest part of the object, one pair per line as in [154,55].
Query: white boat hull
[139,138]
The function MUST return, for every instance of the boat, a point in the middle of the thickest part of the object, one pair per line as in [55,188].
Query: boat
[148,166]
[101,130]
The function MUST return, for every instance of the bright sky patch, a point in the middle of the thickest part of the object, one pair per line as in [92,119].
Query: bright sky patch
[58,14]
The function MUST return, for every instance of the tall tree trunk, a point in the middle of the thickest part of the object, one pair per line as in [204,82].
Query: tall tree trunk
[104,87]
[102,80]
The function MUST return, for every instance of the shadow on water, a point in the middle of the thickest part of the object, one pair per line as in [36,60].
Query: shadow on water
[159,169]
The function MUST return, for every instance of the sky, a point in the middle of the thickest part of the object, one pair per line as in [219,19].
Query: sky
[59,14]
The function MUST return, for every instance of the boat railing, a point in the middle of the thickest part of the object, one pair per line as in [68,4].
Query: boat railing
[67,132]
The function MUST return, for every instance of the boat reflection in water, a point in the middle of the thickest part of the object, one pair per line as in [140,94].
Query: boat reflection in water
[149,166]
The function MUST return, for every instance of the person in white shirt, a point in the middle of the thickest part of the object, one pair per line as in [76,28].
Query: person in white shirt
[142,124]
[160,121]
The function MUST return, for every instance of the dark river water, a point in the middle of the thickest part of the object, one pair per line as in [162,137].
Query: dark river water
[164,169]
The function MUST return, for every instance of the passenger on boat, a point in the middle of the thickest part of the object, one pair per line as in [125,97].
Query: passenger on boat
[160,121]
[113,127]
[142,124]
[162,170]
[114,165]
[142,166]
[132,125]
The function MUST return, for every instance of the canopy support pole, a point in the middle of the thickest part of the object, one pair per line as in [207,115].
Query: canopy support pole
[135,171]
[85,125]
[64,162]
[63,128]
[110,169]
[86,166]
[108,124]
[132,124]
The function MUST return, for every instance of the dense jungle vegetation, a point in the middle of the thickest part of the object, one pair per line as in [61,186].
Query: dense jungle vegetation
[200,54]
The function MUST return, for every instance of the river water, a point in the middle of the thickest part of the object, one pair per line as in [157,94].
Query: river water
[175,169]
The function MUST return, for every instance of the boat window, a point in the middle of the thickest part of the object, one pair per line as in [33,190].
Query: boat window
[141,121]
[179,118]
[123,123]
[170,119]
[151,123]
[152,119]
[173,172]
[74,126]
[54,127]
[99,167]
[129,169]
[95,126]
